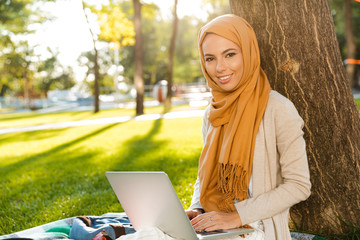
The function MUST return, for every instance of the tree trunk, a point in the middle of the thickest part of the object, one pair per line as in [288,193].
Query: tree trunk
[116,75]
[96,81]
[350,42]
[138,77]
[171,59]
[26,90]
[96,64]
[301,57]
[4,87]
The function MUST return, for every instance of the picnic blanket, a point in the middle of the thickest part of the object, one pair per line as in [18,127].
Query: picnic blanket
[101,227]
[76,228]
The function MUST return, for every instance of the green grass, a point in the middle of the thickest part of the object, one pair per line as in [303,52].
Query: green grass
[54,174]
[34,118]
[357,101]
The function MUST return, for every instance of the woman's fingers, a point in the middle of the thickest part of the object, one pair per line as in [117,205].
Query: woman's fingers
[204,222]
[192,213]
[216,220]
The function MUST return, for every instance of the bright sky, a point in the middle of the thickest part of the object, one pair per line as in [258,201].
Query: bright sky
[69,32]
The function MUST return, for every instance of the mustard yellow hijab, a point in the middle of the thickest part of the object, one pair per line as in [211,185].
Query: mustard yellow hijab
[226,160]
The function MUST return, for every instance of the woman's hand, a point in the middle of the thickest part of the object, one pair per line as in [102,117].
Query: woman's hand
[192,213]
[216,220]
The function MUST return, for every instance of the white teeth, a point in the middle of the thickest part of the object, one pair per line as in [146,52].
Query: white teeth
[224,78]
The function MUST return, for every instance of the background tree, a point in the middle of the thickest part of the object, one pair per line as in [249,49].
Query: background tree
[15,17]
[339,15]
[118,30]
[218,7]
[138,76]
[350,41]
[86,60]
[11,72]
[300,55]
[25,68]
[186,61]
[94,37]
[171,58]
[155,30]
[52,75]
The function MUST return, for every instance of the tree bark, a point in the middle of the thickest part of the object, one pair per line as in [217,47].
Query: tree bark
[96,81]
[171,59]
[138,77]
[301,57]
[350,42]
[96,64]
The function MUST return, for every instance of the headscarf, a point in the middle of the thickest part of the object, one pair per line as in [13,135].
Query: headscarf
[225,163]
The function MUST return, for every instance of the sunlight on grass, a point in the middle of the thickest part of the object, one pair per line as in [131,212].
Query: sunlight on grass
[357,101]
[34,118]
[54,174]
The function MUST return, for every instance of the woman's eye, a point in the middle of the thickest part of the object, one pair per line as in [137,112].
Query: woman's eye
[209,59]
[230,54]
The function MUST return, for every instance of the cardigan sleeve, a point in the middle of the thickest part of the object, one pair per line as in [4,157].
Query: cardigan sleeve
[295,183]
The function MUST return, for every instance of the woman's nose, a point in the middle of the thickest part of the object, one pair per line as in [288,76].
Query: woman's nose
[220,66]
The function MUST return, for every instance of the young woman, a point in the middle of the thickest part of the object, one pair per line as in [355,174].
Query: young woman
[253,166]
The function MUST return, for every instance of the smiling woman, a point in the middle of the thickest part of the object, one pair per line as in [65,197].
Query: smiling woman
[253,165]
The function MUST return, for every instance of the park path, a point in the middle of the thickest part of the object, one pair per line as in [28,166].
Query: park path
[145,117]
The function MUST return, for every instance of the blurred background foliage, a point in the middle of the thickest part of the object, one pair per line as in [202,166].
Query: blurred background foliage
[24,73]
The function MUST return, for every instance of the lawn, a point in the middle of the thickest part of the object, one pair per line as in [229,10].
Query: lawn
[33,118]
[54,174]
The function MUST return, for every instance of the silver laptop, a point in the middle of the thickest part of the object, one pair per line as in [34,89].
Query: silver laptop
[149,200]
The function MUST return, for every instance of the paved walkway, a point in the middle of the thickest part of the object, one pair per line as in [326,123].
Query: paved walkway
[171,115]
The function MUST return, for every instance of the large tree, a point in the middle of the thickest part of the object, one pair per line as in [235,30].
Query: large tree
[171,58]
[15,17]
[118,30]
[350,40]
[139,59]
[94,37]
[301,57]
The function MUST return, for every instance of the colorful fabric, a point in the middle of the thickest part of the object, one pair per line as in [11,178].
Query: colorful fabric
[61,230]
[86,228]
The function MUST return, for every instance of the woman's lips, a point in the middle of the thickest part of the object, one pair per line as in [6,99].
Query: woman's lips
[224,79]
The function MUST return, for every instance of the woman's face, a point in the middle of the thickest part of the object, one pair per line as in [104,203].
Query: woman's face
[223,61]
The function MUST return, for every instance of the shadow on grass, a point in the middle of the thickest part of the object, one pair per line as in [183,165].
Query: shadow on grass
[44,194]
[28,136]
[59,183]
[75,116]
[137,148]
[8,169]
[30,187]
[146,153]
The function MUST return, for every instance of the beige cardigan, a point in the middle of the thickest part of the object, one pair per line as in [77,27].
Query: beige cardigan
[280,169]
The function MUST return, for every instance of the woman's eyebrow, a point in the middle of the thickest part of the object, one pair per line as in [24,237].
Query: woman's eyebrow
[228,50]
[224,52]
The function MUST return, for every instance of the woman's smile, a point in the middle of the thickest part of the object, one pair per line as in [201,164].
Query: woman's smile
[223,61]
[225,79]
